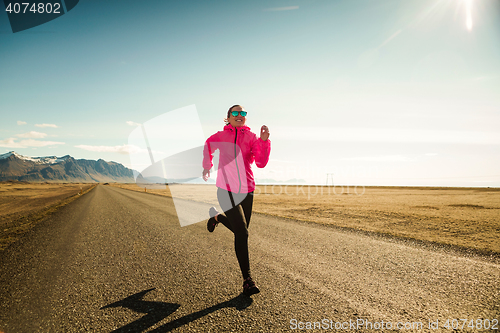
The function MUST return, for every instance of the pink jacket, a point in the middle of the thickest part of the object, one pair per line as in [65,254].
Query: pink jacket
[238,148]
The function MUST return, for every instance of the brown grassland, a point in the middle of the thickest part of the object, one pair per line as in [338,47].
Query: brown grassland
[463,217]
[23,204]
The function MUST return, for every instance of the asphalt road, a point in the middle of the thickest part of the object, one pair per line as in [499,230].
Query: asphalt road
[117,260]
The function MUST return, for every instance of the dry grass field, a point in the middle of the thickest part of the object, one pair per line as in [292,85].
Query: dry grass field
[23,204]
[464,217]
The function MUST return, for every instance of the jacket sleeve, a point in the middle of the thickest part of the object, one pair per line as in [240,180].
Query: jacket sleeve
[261,151]
[208,153]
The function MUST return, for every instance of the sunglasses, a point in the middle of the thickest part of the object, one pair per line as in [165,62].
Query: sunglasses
[242,113]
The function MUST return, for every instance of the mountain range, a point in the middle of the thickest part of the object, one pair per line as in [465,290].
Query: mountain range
[14,166]
[61,169]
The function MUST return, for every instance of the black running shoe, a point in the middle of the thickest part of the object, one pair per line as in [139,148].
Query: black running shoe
[212,223]
[249,287]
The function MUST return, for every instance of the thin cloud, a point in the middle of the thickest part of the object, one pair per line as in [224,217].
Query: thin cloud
[131,123]
[38,143]
[11,143]
[46,125]
[32,135]
[123,149]
[20,122]
[280,9]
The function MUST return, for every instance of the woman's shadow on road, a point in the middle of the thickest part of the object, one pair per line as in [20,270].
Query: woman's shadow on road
[157,311]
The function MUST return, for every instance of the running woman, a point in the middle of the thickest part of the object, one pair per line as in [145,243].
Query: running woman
[238,149]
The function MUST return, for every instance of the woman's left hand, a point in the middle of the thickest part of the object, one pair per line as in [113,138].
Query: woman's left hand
[264,133]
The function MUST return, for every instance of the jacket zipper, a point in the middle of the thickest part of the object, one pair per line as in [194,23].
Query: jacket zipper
[235,159]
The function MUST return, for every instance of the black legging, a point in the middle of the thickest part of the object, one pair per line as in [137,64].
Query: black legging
[238,210]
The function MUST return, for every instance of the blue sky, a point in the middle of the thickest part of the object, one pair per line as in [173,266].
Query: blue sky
[376,92]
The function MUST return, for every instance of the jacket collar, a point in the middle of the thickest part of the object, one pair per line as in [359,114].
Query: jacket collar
[230,127]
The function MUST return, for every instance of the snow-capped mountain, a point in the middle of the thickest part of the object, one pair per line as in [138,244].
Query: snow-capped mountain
[14,166]
[40,160]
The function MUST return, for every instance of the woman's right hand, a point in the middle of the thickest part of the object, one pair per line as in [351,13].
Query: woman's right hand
[206,174]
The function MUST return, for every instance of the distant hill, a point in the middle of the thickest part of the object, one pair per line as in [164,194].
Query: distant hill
[61,169]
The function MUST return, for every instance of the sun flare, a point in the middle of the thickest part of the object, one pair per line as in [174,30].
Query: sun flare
[468,14]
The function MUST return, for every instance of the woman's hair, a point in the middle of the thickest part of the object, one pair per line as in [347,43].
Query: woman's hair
[226,120]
